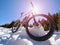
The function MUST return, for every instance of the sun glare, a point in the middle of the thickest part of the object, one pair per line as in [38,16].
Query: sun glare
[34,8]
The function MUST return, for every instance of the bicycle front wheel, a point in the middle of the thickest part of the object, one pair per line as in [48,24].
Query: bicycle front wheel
[48,35]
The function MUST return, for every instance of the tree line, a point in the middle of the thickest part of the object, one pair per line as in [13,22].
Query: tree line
[56,18]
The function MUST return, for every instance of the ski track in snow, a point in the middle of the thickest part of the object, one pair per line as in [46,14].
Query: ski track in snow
[21,38]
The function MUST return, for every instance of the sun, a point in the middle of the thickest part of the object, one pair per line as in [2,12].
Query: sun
[34,8]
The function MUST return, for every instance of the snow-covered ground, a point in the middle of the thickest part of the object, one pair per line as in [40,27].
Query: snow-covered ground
[21,38]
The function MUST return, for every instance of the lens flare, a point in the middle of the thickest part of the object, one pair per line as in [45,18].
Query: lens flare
[34,8]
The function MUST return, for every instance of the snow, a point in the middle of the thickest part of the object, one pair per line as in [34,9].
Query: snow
[19,42]
[37,31]
[21,37]
[58,41]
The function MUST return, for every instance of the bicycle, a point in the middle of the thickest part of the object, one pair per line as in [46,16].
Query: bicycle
[25,23]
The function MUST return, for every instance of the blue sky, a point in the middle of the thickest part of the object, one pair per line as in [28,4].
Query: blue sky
[11,9]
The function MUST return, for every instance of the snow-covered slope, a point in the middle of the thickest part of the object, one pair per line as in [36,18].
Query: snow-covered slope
[21,38]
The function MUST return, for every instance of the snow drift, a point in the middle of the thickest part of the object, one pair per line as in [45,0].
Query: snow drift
[21,38]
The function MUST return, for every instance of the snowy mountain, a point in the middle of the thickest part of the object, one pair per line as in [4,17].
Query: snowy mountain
[21,38]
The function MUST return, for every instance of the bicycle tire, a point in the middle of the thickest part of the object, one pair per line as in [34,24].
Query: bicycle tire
[45,37]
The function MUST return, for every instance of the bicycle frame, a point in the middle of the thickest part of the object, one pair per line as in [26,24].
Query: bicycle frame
[26,20]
